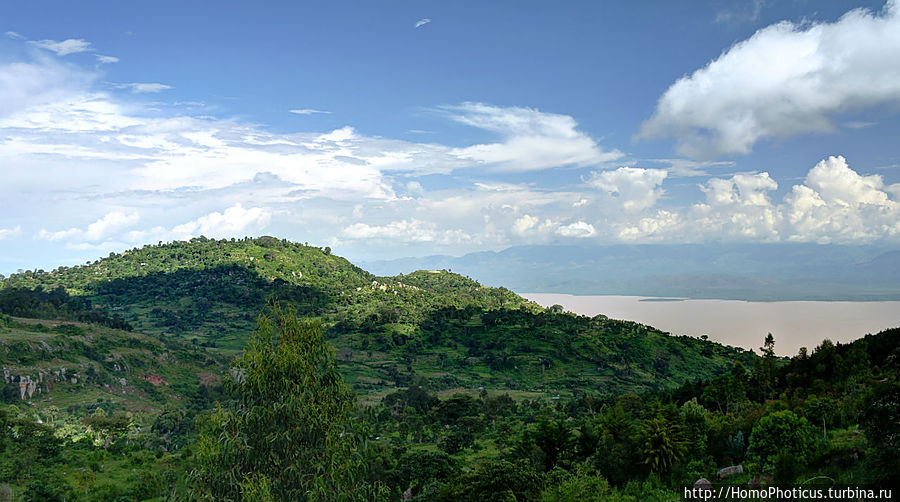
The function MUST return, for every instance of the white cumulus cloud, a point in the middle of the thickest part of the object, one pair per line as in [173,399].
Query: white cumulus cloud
[636,188]
[108,224]
[415,188]
[738,207]
[95,231]
[741,189]
[411,230]
[528,225]
[234,221]
[785,80]
[59,234]
[836,183]
[406,231]
[837,204]
[578,229]
[651,228]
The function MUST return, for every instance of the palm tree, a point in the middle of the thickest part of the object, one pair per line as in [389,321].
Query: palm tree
[664,445]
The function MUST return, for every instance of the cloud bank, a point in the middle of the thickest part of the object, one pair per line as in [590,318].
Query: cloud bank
[102,170]
[834,204]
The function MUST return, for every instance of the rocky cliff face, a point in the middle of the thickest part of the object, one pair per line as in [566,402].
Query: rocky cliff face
[26,386]
[29,384]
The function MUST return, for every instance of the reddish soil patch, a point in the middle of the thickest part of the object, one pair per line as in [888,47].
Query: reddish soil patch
[209,379]
[156,380]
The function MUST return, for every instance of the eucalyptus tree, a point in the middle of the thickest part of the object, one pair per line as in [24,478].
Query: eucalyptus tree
[284,435]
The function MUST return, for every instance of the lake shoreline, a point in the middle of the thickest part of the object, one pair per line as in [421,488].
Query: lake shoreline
[740,323]
[650,298]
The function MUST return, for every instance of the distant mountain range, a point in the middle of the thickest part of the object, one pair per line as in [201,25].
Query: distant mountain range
[755,272]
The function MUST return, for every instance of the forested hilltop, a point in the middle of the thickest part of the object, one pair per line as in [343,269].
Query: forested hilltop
[425,386]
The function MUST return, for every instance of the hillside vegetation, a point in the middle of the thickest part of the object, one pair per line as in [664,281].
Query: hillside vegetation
[76,397]
[431,328]
[145,374]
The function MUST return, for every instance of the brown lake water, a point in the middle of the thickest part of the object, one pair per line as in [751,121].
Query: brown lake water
[741,324]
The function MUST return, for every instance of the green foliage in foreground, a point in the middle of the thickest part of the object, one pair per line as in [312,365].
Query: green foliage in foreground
[647,446]
[780,436]
[284,434]
[288,430]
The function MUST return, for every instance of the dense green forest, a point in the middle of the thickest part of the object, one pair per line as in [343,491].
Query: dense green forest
[207,369]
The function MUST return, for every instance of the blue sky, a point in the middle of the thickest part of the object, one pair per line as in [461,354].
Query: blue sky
[412,128]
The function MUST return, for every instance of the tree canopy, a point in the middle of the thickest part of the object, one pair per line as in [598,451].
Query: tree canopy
[284,435]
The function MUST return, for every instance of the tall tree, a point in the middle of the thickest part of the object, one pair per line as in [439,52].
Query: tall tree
[553,438]
[284,435]
[765,368]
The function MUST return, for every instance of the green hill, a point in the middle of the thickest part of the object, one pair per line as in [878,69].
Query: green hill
[430,328]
